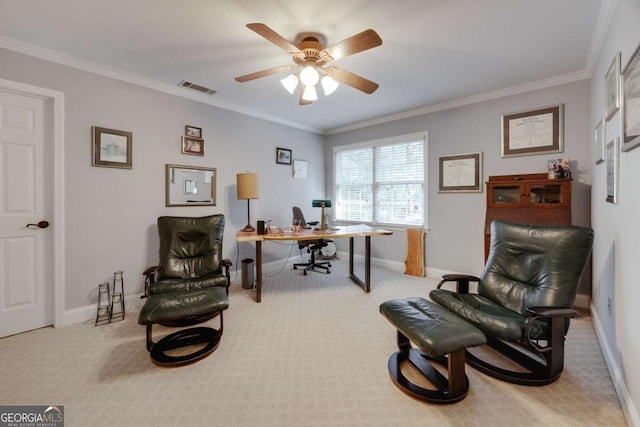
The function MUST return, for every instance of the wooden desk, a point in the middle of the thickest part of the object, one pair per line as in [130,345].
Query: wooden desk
[349,231]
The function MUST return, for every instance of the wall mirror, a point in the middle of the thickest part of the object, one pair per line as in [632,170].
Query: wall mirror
[190,186]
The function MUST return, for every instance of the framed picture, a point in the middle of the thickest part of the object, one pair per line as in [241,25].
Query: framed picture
[611,153]
[193,131]
[612,88]
[300,169]
[193,146]
[112,148]
[631,102]
[533,132]
[283,156]
[460,173]
[599,140]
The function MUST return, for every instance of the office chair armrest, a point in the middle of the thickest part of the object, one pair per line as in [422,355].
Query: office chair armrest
[313,222]
[462,281]
[548,312]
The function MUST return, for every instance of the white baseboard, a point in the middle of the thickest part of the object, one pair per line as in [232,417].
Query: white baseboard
[83,314]
[615,372]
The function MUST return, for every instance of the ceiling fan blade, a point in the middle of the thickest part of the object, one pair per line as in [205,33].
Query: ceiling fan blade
[362,41]
[275,38]
[353,80]
[303,101]
[264,73]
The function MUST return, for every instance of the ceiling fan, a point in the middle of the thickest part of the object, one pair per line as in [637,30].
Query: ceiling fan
[311,56]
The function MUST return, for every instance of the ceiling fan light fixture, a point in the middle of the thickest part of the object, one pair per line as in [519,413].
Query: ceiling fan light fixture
[310,93]
[290,83]
[329,85]
[309,76]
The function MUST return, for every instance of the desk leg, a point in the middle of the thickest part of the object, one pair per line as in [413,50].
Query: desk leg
[258,270]
[366,285]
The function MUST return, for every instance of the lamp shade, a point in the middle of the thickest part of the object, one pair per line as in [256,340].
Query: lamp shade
[247,184]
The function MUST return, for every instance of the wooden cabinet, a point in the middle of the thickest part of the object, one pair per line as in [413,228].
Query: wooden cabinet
[527,199]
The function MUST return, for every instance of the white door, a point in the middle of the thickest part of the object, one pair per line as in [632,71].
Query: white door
[26,282]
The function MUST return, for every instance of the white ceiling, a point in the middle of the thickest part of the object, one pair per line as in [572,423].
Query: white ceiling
[434,52]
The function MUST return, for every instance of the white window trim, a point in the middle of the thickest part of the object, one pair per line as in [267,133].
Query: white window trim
[388,141]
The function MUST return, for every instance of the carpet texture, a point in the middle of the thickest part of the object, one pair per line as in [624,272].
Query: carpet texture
[313,353]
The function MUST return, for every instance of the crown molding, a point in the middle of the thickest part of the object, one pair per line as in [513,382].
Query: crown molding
[605,15]
[92,67]
[513,90]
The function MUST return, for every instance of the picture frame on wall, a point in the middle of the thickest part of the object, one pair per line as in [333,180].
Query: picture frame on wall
[300,169]
[599,142]
[630,82]
[611,154]
[537,131]
[460,173]
[192,131]
[612,88]
[112,148]
[283,156]
[193,146]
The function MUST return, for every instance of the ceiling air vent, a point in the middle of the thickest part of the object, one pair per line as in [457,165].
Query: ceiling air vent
[194,86]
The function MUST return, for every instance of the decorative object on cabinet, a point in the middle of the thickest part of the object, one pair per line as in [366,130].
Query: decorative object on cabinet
[460,173]
[192,131]
[300,169]
[203,181]
[599,140]
[112,148]
[532,132]
[631,102]
[559,168]
[527,199]
[612,171]
[283,156]
[612,88]
[247,189]
[193,146]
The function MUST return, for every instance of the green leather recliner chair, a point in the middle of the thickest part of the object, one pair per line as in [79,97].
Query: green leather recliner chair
[189,286]
[524,298]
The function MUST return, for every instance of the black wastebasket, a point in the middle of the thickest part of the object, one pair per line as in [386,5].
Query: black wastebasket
[247,273]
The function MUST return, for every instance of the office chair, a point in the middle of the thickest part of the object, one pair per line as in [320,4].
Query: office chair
[312,246]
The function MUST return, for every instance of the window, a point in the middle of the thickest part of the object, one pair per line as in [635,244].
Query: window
[381,182]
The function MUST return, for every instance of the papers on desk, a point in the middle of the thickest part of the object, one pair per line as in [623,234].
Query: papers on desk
[326,231]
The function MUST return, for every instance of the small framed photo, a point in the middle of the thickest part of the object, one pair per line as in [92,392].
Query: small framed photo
[612,88]
[460,173]
[190,186]
[193,146]
[599,140]
[611,153]
[630,104]
[193,131]
[533,132]
[112,148]
[300,169]
[283,156]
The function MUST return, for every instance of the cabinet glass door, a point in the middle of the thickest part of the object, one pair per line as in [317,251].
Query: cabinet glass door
[545,193]
[508,194]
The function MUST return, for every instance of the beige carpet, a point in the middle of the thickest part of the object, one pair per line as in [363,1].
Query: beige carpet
[313,353]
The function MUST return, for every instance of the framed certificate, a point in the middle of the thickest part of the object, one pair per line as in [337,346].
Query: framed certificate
[533,132]
[460,173]
[612,88]
[611,153]
[631,102]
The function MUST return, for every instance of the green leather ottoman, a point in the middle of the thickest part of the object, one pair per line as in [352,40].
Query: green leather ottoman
[442,338]
[184,307]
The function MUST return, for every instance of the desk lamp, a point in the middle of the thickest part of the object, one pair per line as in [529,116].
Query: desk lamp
[322,204]
[247,184]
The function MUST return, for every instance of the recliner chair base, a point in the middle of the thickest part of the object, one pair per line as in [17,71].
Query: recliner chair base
[205,338]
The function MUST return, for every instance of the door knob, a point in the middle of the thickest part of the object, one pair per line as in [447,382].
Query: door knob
[41,224]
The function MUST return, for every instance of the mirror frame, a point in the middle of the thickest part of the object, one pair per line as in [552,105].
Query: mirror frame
[168,183]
